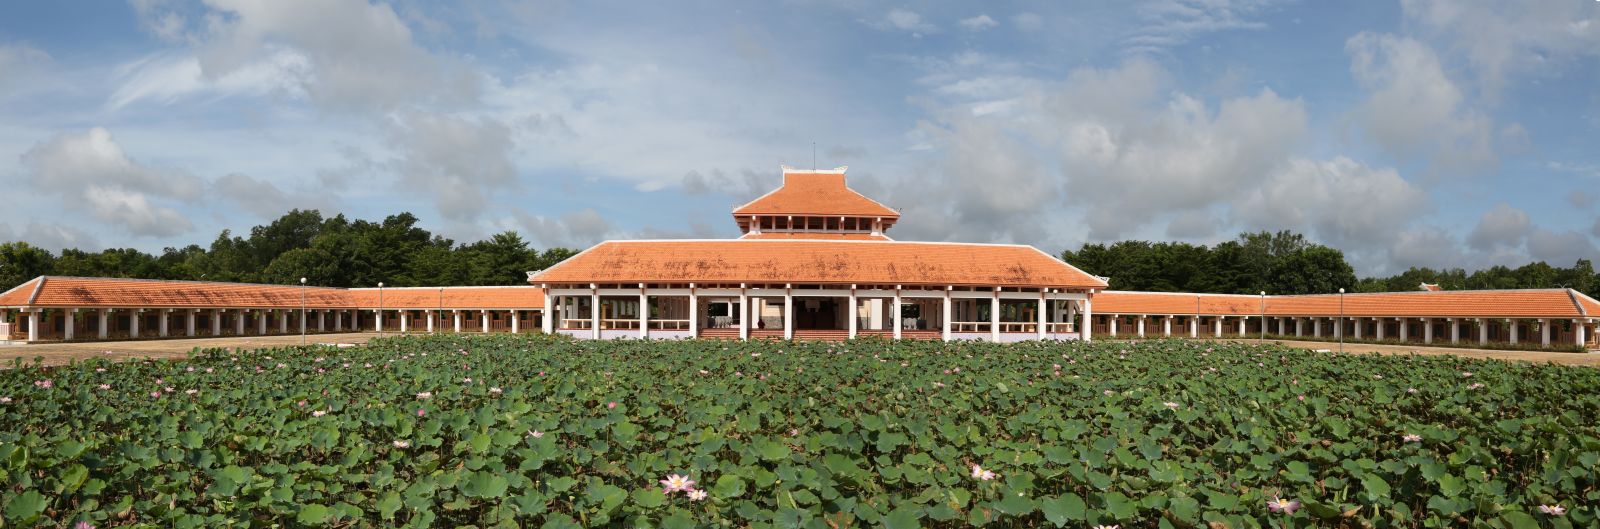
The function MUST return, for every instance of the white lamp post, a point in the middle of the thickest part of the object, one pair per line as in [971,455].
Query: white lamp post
[302,311]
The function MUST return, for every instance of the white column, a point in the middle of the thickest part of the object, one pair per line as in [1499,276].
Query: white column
[238,321]
[379,319]
[322,321]
[483,319]
[33,326]
[1405,329]
[1218,324]
[188,323]
[283,321]
[1299,327]
[455,316]
[1111,323]
[105,314]
[1141,325]
[994,315]
[1044,317]
[405,321]
[1338,328]
[1544,332]
[594,311]
[338,321]
[788,313]
[1455,331]
[1358,323]
[644,314]
[1088,319]
[1194,326]
[946,334]
[1242,326]
[1282,327]
[1483,331]
[850,314]
[1427,330]
[133,323]
[430,320]
[1515,331]
[72,321]
[516,322]
[898,322]
[1382,329]
[744,313]
[302,321]
[1578,329]
[694,313]
[161,326]
[549,323]
[1167,326]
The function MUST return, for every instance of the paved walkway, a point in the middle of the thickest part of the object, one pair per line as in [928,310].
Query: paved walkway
[62,353]
[1575,359]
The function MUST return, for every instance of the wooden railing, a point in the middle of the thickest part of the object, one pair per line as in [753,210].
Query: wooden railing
[577,325]
[1019,327]
[1066,327]
[969,326]
[669,325]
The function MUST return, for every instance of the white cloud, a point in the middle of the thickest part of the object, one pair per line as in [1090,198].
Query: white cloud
[900,19]
[161,19]
[165,79]
[90,171]
[1580,169]
[265,198]
[577,229]
[459,161]
[50,236]
[978,23]
[1504,38]
[1415,110]
[1581,199]
[1130,156]
[1169,23]
[361,55]
[1423,246]
[1560,248]
[1501,227]
[1340,202]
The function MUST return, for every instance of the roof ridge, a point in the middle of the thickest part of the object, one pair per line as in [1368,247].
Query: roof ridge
[1419,292]
[829,241]
[1252,296]
[363,289]
[36,289]
[20,285]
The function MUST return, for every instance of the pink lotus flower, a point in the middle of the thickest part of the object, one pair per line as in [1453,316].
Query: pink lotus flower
[1170,405]
[83,525]
[156,394]
[189,369]
[5,400]
[1553,510]
[421,412]
[1411,390]
[1475,385]
[100,369]
[675,483]
[495,390]
[697,495]
[318,413]
[105,386]
[191,392]
[46,383]
[535,434]
[1411,438]
[301,404]
[402,444]
[980,473]
[467,380]
[611,405]
[1107,527]
[1283,506]
[1466,374]
[425,395]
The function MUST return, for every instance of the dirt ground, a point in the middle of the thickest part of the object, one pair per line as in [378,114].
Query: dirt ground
[1575,359]
[63,353]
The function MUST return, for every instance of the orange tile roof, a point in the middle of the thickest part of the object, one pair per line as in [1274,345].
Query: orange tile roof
[81,292]
[816,193]
[817,236]
[811,261]
[1174,303]
[1545,303]
[504,297]
[85,292]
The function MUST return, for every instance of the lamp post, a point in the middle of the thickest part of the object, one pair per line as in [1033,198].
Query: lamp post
[1263,316]
[302,311]
[380,309]
[1341,319]
[438,326]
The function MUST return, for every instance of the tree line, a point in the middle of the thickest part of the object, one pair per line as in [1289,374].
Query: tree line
[1286,263]
[340,252]
[335,251]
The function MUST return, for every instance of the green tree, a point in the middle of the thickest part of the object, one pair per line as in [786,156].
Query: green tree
[1312,270]
[20,262]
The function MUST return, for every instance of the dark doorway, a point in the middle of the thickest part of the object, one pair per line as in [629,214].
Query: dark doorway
[816,313]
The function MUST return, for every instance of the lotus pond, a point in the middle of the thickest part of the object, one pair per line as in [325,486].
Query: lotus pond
[529,431]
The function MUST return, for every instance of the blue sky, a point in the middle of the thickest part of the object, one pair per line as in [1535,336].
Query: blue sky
[1417,133]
